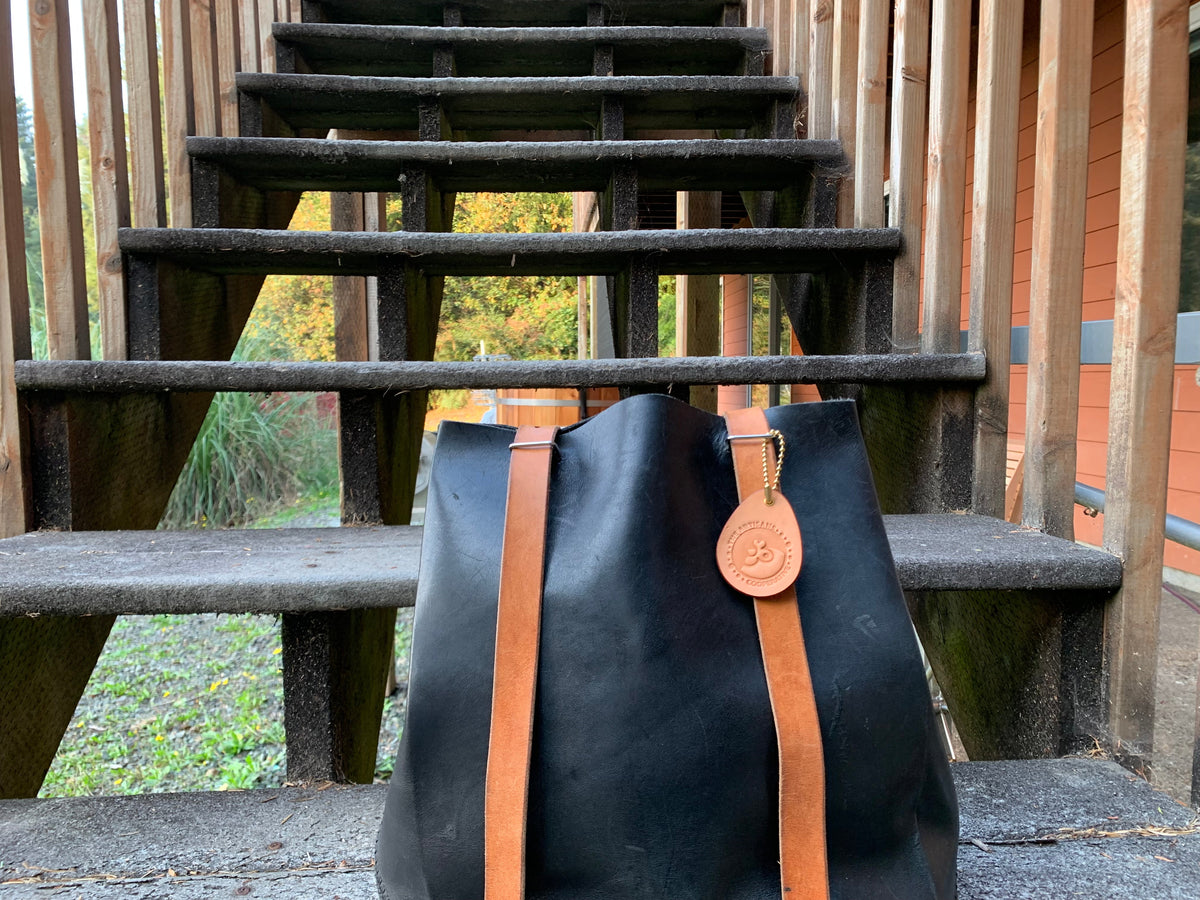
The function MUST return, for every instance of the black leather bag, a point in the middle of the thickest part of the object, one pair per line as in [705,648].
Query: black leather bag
[654,756]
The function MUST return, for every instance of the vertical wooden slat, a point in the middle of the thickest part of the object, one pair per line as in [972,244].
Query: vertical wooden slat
[871,122]
[266,41]
[225,13]
[248,29]
[698,297]
[148,181]
[781,46]
[180,114]
[820,77]
[204,67]
[800,25]
[910,95]
[296,12]
[1056,276]
[993,224]
[59,206]
[950,59]
[845,99]
[1147,301]
[14,301]
[754,13]
[110,182]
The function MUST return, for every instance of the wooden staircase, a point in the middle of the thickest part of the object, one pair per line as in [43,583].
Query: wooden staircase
[447,93]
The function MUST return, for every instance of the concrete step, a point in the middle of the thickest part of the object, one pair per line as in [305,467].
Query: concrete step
[1035,830]
[423,52]
[281,164]
[508,13]
[316,103]
[311,570]
[699,251]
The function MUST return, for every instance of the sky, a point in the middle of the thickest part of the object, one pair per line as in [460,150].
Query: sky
[22,72]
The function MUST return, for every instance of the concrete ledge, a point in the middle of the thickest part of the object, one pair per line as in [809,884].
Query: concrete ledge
[307,570]
[1037,830]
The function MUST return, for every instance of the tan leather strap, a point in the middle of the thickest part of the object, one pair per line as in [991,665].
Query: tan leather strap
[804,868]
[518,625]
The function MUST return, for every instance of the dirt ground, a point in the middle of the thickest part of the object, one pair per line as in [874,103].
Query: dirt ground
[1175,719]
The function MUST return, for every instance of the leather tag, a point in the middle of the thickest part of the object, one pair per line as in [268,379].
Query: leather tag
[760,551]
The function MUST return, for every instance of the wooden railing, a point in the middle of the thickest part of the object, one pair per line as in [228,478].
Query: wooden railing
[840,51]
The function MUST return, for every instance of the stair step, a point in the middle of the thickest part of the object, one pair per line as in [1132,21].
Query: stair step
[309,570]
[409,51]
[320,102]
[509,13]
[309,164]
[693,252]
[1030,829]
[81,377]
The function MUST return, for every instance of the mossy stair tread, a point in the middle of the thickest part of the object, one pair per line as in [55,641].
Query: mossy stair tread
[312,164]
[1030,830]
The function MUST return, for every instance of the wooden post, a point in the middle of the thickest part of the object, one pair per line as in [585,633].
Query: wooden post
[845,99]
[266,41]
[110,182]
[58,180]
[248,34]
[202,28]
[946,177]
[799,25]
[349,291]
[149,191]
[1056,277]
[993,224]
[781,45]
[229,63]
[910,93]
[820,76]
[871,127]
[1147,301]
[698,297]
[180,113]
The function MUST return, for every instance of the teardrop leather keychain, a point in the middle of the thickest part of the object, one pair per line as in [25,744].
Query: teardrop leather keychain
[760,551]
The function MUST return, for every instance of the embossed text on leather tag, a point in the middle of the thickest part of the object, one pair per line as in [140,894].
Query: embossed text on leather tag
[760,549]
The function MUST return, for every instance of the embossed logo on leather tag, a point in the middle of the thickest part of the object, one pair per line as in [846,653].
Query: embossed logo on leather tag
[760,550]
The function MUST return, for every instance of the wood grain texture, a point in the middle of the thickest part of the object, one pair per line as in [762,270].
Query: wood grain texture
[993,225]
[229,63]
[1152,160]
[179,111]
[59,204]
[871,115]
[781,38]
[1056,278]
[266,41]
[349,291]
[110,180]
[799,25]
[844,104]
[248,30]
[950,58]
[148,174]
[820,76]
[698,297]
[205,84]
[910,95]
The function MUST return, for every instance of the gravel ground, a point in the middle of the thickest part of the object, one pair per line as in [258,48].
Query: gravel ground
[1176,695]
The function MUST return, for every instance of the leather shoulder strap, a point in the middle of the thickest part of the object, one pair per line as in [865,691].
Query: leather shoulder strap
[804,868]
[518,626]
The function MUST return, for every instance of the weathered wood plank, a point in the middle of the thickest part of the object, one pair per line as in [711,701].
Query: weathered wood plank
[228,35]
[799,25]
[820,76]
[148,179]
[993,224]
[910,93]
[179,108]
[248,35]
[950,59]
[205,83]
[59,205]
[1056,277]
[110,182]
[871,117]
[698,297]
[349,291]
[1152,167]
[781,46]
[266,40]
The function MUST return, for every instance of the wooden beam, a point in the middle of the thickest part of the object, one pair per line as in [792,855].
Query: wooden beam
[229,63]
[950,59]
[871,121]
[820,75]
[993,224]
[149,190]
[910,93]
[349,291]
[1152,169]
[1056,277]
[110,181]
[180,112]
[698,297]
[59,204]
[845,99]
